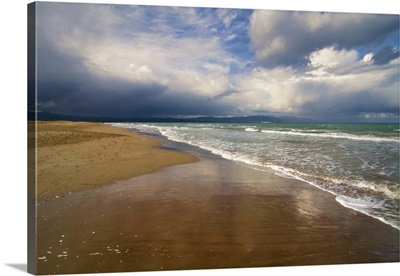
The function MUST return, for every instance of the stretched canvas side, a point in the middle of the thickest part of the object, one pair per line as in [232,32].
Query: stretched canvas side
[32,138]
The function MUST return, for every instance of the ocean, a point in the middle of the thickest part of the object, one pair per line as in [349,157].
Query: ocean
[358,163]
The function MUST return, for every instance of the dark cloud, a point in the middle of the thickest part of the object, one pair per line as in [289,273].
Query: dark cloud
[287,38]
[385,55]
[65,85]
[329,105]
[225,94]
[70,82]
[121,67]
[351,104]
[90,95]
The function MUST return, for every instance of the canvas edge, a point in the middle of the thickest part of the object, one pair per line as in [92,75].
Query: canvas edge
[31,139]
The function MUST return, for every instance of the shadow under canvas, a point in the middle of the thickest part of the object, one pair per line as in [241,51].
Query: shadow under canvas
[20,267]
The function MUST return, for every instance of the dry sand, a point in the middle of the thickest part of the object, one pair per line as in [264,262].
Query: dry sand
[208,214]
[72,156]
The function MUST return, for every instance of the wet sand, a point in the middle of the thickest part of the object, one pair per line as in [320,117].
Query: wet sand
[209,214]
[72,156]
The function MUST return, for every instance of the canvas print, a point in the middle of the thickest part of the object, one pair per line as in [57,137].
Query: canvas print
[181,138]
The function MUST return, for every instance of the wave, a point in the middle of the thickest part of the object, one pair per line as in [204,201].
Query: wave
[354,194]
[334,135]
[364,207]
[293,132]
[237,156]
[340,188]
[251,129]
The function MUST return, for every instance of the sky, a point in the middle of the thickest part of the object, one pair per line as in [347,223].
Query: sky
[153,61]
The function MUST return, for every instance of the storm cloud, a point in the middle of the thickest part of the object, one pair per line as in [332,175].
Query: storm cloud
[142,61]
[385,55]
[282,38]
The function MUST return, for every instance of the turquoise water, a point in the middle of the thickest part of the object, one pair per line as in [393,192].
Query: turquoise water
[359,163]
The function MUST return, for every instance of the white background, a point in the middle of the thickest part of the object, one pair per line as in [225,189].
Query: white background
[13,248]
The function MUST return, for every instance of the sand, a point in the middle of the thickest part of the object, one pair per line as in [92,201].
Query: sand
[208,214]
[72,156]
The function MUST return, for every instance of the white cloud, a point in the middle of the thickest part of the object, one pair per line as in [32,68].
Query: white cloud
[331,58]
[287,90]
[185,64]
[285,38]
[170,62]
[368,58]
[226,16]
[228,19]
[231,37]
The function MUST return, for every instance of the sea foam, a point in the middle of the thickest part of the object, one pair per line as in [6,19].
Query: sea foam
[327,160]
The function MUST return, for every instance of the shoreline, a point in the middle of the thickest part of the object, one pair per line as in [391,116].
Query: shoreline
[202,215]
[339,198]
[72,156]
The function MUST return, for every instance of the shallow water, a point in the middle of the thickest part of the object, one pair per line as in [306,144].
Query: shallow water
[359,163]
[208,214]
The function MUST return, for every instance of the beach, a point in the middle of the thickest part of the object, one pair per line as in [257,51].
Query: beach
[110,200]
[77,156]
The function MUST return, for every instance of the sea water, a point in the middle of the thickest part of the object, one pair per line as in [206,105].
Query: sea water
[358,163]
